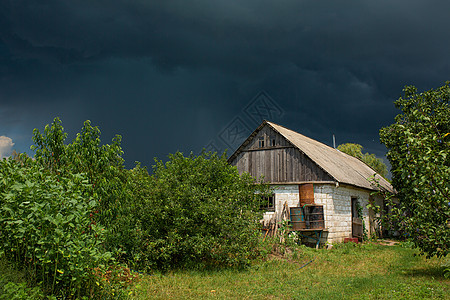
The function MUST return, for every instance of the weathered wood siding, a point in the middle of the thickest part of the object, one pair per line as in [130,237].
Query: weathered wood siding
[281,162]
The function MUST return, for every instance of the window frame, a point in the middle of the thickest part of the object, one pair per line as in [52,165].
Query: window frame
[269,206]
[272,141]
[261,142]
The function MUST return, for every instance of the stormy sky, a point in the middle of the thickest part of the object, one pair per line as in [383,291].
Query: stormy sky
[185,75]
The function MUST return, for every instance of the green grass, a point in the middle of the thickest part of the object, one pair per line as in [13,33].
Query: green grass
[347,271]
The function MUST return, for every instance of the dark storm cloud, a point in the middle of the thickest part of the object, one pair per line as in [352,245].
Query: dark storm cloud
[150,67]
[246,36]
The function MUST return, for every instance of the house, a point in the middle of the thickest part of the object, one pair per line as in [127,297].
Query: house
[306,173]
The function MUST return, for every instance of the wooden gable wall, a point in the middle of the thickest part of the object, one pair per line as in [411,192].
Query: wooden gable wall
[278,163]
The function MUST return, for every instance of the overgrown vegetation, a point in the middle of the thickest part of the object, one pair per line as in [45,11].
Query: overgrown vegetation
[196,212]
[73,220]
[419,151]
[103,169]
[47,228]
[360,214]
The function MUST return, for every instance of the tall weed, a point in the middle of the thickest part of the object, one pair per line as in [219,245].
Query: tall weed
[47,227]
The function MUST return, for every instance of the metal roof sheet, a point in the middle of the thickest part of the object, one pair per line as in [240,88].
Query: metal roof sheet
[342,167]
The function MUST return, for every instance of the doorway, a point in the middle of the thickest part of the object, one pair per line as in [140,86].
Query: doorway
[357,228]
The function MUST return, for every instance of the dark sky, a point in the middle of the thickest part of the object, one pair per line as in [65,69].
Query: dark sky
[183,75]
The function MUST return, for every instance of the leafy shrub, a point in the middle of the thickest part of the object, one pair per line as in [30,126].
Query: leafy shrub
[196,211]
[47,227]
[102,166]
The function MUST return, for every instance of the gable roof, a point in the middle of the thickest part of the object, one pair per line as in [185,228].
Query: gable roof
[342,167]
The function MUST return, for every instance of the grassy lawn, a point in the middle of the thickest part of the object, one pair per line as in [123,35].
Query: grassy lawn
[349,271]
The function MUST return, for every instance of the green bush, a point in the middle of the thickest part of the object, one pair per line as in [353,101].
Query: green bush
[102,166]
[47,227]
[196,212]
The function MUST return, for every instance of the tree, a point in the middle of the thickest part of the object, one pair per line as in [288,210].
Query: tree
[419,151]
[102,165]
[371,160]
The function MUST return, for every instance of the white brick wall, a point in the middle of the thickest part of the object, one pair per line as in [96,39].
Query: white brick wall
[283,193]
[336,201]
[338,210]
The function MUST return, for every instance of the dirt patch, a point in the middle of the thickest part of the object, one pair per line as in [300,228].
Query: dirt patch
[386,242]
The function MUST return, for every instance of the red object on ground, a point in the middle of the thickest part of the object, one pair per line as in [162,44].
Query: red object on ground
[354,240]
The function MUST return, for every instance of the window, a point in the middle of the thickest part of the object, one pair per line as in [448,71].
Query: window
[261,142]
[272,141]
[268,203]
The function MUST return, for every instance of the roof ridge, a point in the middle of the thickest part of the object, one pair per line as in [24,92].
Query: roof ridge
[311,139]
